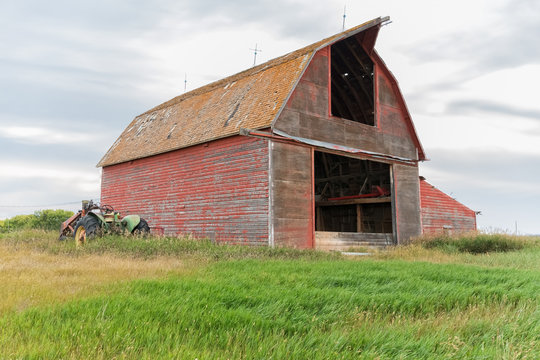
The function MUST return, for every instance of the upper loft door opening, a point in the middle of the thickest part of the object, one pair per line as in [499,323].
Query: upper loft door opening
[352,89]
[352,195]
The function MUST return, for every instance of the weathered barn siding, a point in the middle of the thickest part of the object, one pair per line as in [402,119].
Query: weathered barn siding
[441,213]
[217,190]
[307,115]
[291,195]
[406,202]
[169,165]
[390,114]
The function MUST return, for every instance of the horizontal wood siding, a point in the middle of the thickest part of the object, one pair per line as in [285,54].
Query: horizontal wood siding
[441,213]
[217,190]
[292,216]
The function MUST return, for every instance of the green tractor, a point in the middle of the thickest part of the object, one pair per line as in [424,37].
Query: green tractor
[96,220]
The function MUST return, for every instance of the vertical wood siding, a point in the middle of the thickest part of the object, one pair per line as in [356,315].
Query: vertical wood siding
[217,190]
[292,195]
[307,115]
[407,202]
[442,213]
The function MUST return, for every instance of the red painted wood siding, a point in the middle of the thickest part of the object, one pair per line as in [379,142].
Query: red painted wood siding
[390,114]
[217,190]
[439,210]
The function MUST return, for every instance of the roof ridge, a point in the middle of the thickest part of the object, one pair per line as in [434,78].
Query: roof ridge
[266,65]
[231,78]
[204,114]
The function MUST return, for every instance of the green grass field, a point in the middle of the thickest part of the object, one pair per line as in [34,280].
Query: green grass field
[177,298]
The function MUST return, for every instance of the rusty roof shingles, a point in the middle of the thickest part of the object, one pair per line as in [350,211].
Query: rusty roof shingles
[250,99]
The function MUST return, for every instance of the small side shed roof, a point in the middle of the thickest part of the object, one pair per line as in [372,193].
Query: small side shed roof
[250,99]
[432,197]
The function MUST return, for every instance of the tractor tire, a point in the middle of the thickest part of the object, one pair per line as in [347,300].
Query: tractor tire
[142,228]
[86,228]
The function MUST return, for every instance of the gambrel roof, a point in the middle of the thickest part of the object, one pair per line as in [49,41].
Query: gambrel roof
[250,99]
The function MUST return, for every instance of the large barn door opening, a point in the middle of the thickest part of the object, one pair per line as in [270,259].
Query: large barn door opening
[353,203]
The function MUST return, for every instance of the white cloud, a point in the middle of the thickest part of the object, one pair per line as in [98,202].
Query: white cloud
[82,179]
[481,132]
[40,135]
[453,180]
[517,86]
[28,186]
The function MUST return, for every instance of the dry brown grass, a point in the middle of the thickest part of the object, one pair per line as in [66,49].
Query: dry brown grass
[29,277]
[416,251]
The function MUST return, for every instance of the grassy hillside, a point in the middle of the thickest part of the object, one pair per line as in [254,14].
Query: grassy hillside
[177,298]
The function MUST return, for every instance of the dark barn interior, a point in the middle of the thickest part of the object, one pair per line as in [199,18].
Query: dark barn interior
[352,195]
[352,82]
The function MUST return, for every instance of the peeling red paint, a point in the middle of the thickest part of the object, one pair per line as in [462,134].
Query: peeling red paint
[218,191]
[442,213]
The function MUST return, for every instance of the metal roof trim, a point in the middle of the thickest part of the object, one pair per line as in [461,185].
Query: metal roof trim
[356,30]
[334,147]
[179,148]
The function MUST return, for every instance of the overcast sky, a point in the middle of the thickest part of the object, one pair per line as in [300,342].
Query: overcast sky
[73,75]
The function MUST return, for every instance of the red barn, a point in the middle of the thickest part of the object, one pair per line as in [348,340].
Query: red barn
[441,213]
[312,149]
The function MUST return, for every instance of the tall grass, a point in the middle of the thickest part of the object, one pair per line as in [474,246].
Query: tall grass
[295,309]
[153,246]
[36,268]
[30,278]
[443,249]
[275,304]
[476,243]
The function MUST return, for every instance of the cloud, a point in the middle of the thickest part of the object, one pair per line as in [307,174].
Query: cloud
[506,37]
[502,185]
[477,105]
[502,172]
[38,135]
[44,104]
[53,171]
[27,195]
[299,19]
[25,184]
[128,16]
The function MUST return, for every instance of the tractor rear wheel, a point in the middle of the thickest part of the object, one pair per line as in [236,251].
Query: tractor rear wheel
[142,228]
[86,228]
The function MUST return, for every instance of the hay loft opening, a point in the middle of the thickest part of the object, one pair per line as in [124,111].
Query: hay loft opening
[352,195]
[352,93]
